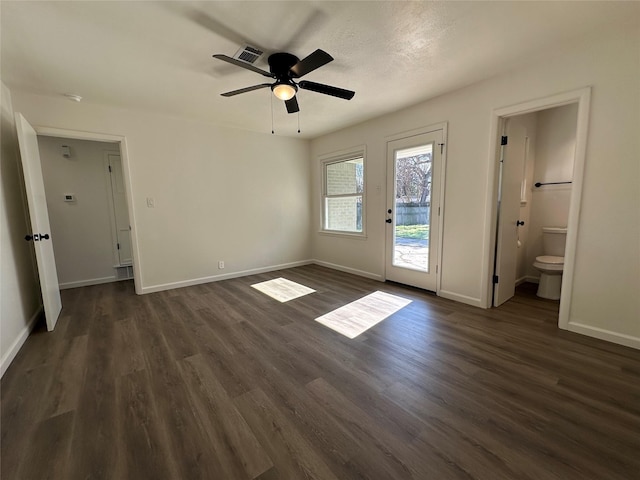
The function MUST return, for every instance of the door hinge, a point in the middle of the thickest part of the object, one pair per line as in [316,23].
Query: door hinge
[495,279]
[441,147]
[118,245]
[438,211]
[436,268]
[109,168]
[503,140]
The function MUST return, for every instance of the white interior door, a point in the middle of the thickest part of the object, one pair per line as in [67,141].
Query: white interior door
[120,211]
[509,195]
[413,191]
[39,215]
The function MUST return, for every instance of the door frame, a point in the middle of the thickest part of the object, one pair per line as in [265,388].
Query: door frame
[583,98]
[126,170]
[443,169]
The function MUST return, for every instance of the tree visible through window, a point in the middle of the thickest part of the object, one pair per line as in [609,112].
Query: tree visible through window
[413,178]
[343,195]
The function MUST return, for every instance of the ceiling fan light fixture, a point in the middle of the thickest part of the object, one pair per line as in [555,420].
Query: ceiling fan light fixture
[284,91]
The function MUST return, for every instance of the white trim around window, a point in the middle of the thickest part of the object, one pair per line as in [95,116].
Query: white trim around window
[343,193]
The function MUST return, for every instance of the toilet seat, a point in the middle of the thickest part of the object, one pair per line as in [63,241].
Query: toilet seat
[549,263]
[550,259]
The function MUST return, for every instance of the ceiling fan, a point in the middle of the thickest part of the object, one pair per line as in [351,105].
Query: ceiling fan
[285,67]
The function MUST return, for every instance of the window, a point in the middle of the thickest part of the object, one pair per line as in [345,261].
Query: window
[343,195]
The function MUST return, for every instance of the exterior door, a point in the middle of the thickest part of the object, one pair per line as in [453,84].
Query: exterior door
[509,195]
[413,192]
[39,215]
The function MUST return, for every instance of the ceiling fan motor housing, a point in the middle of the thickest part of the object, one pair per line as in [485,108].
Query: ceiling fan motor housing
[280,64]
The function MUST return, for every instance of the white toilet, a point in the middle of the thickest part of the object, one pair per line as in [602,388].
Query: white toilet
[551,263]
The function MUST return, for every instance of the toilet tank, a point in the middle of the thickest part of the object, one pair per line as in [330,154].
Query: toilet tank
[554,240]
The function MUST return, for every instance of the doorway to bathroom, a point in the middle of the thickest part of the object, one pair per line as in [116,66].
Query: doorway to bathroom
[539,155]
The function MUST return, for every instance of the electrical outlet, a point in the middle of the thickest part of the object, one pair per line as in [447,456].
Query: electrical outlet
[221,264]
[151,202]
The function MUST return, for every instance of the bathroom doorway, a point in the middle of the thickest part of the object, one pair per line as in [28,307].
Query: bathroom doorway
[539,155]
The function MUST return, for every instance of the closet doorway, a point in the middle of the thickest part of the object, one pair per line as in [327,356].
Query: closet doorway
[88,211]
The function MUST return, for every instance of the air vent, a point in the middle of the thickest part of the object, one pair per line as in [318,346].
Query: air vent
[124,272]
[248,54]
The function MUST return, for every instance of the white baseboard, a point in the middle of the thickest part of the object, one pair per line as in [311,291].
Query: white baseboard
[354,271]
[456,297]
[602,334]
[527,279]
[86,283]
[10,354]
[476,302]
[226,276]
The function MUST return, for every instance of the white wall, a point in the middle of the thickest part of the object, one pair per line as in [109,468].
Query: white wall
[555,150]
[20,300]
[604,301]
[220,194]
[81,231]
[556,144]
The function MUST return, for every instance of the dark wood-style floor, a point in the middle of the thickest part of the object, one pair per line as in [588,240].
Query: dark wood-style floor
[219,381]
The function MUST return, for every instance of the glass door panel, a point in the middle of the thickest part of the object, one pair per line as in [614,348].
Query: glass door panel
[412,206]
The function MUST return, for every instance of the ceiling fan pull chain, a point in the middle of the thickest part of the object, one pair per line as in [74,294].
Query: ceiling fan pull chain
[298,121]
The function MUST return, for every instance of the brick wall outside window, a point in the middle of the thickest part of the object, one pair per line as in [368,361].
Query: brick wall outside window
[343,213]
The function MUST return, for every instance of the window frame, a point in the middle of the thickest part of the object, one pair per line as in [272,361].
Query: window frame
[339,157]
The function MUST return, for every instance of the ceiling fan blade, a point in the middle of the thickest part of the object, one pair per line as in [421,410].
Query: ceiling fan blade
[242,64]
[314,19]
[327,89]
[245,90]
[216,27]
[310,63]
[292,105]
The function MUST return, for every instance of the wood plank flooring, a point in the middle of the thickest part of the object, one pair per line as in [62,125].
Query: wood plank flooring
[220,381]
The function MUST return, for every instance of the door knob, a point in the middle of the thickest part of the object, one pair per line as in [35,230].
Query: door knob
[388,220]
[519,223]
[36,237]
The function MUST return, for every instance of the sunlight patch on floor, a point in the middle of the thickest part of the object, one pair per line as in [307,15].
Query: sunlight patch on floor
[282,289]
[357,317]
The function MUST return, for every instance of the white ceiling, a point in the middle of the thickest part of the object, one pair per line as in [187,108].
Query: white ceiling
[157,55]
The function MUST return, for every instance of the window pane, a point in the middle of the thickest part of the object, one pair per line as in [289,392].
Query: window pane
[343,178]
[344,214]
[413,170]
